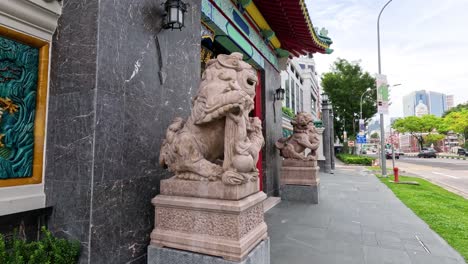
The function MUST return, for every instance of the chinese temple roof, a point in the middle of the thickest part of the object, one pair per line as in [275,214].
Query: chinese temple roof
[291,24]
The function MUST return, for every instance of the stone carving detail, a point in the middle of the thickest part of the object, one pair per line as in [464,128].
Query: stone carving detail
[251,219]
[219,141]
[304,137]
[214,224]
[198,222]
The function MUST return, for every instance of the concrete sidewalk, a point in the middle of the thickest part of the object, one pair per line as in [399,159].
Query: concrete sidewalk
[358,220]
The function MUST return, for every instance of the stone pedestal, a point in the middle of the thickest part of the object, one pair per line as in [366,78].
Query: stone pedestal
[156,255]
[300,181]
[229,228]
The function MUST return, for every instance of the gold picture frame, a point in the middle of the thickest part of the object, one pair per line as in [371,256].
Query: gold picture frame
[41,106]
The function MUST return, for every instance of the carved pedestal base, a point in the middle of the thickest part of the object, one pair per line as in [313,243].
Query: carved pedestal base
[212,190]
[300,181]
[300,193]
[156,255]
[228,229]
[298,172]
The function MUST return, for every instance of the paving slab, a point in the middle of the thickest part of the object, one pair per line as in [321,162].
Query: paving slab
[357,220]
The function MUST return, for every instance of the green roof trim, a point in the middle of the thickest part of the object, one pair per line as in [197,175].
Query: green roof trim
[282,53]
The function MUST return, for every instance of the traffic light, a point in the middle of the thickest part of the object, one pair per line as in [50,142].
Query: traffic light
[380,103]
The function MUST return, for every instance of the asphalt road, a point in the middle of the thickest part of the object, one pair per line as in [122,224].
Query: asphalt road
[451,174]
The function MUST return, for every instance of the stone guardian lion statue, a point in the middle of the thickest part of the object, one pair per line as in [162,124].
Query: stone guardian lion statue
[219,141]
[304,137]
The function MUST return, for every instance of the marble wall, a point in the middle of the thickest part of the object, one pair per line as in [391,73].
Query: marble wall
[108,112]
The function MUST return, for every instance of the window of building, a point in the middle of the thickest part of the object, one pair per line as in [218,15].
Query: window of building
[292,68]
[301,99]
[312,68]
[302,66]
[293,97]
[287,93]
[297,98]
[313,103]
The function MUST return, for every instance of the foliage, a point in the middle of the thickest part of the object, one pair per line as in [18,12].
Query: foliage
[433,138]
[417,126]
[288,111]
[457,121]
[355,159]
[375,135]
[47,250]
[457,108]
[443,211]
[345,84]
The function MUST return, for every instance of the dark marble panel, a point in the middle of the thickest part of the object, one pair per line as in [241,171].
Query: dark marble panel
[71,122]
[133,109]
[73,54]
[272,132]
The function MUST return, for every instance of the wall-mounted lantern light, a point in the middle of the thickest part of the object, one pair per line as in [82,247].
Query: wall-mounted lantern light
[279,94]
[175,14]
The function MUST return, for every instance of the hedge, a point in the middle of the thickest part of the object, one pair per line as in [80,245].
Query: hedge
[355,159]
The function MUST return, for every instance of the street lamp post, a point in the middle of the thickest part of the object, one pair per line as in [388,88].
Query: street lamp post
[362,95]
[382,128]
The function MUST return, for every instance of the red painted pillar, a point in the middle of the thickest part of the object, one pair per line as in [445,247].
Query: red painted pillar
[258,113]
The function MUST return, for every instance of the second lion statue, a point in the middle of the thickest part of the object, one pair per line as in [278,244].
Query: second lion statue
[219,141]
[304,137]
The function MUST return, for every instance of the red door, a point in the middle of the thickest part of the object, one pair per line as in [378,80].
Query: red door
[258,113]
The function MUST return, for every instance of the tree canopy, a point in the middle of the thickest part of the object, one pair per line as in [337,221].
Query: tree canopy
[345,84]
[457,121]
[419,127]
[457,108]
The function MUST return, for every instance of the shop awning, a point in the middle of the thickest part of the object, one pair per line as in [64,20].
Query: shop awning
[290,21]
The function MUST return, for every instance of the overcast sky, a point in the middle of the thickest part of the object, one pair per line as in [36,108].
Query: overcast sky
[424,43]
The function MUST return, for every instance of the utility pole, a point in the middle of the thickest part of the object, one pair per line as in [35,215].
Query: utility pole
[383,164]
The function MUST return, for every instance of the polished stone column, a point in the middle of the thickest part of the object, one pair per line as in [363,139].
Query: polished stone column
[320,156]
[326,134]
[332,139]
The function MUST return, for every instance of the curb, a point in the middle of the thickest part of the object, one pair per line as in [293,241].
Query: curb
[439,157]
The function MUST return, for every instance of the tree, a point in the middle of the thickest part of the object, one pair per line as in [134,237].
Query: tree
[375,135]
[457,108]
[345,84]
[418,127]
[457,121]
[433,139]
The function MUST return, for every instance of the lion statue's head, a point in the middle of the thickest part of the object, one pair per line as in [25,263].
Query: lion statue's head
[227,86]
[302,122]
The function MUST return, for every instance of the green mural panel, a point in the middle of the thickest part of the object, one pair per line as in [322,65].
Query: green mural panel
[18,88]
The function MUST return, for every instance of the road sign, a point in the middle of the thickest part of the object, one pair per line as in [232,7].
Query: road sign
[361,139]
[350,143]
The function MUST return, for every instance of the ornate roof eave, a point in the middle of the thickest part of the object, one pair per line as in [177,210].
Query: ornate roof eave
[290,21]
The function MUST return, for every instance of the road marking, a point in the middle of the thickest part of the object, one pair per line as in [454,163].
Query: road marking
[442,174]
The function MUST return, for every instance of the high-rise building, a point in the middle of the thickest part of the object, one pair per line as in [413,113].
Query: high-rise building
[302,89]
[450,102]
[435,102]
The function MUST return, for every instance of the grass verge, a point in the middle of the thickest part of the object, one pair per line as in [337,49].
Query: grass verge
[445,212]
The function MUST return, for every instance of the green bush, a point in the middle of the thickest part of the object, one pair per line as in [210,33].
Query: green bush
[287,111]
[355,159]
[48,250]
